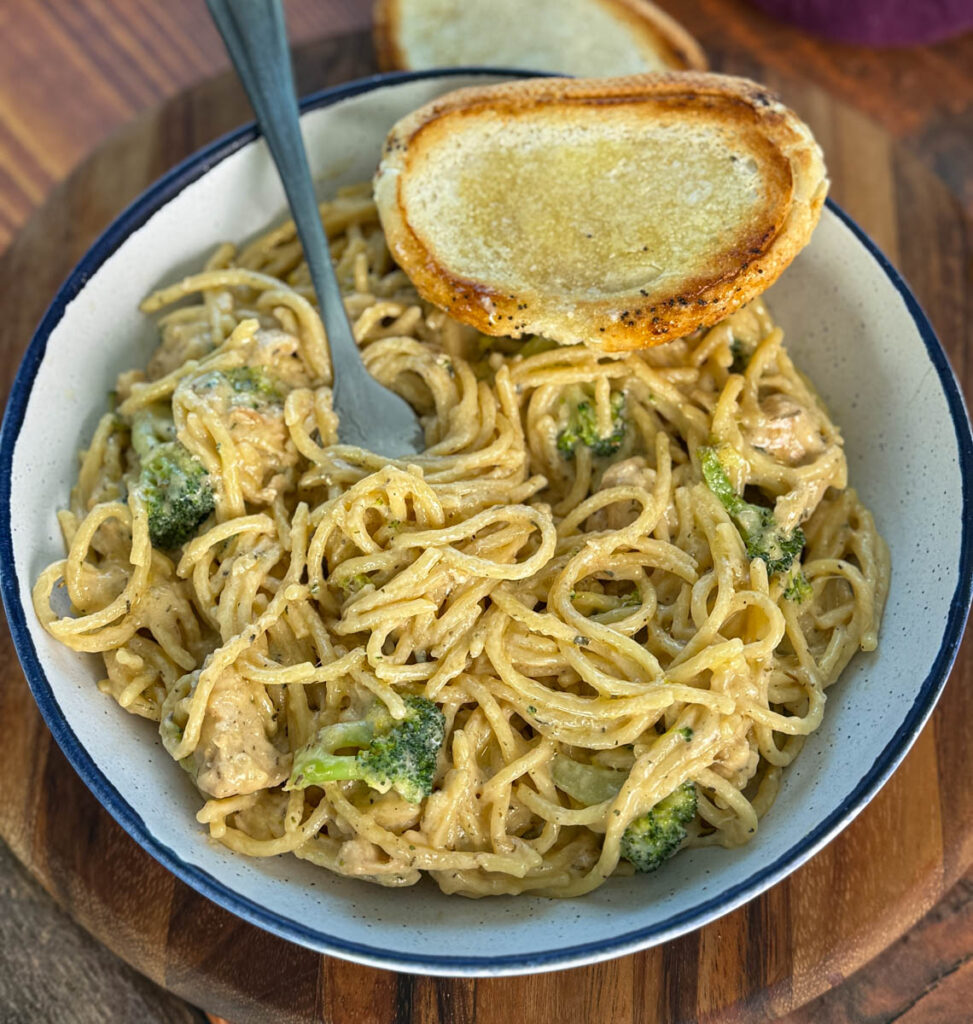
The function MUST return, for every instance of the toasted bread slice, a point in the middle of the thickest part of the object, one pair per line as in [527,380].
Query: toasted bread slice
[616,212]
[573,37]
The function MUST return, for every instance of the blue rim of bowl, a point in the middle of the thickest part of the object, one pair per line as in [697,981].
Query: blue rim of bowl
[132,218]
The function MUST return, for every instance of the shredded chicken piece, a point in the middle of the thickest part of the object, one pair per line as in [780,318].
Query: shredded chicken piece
[631,472]
[628,472]
[265,453]
[786,430]
[363,859]
[280,353]
[737,761]
[392,811]
[235,754]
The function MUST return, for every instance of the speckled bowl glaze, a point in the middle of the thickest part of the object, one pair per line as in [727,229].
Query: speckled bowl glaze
[852,325]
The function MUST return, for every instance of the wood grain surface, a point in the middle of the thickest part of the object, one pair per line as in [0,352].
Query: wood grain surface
[45,953]
[73,71]
[765,960]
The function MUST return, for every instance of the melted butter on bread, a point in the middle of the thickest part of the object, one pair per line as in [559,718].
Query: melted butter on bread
[583,214]
[616,212]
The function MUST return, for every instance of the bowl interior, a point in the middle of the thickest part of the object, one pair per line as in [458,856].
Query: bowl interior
[847,326]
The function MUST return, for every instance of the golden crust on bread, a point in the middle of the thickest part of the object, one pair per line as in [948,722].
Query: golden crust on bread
[620,213]
[678,48]
[449,37]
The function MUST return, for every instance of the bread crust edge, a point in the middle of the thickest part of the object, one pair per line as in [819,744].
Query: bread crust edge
[385,33]
[682,50]
[606,323]
[643,17]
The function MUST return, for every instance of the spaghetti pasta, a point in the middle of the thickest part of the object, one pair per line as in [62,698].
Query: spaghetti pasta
[559,596]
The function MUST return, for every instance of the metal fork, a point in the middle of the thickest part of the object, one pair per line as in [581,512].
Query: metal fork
[369,415]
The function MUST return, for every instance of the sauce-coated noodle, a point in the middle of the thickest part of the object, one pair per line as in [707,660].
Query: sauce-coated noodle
[552,601]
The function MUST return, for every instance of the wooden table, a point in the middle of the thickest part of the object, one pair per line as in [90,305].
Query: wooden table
[71,71]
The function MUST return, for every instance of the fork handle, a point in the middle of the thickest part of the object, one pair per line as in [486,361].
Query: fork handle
[256,39]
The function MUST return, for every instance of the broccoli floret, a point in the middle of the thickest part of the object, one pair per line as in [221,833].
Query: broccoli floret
[582,427]
[176,490]
[798,589]
[249,386]
[649,839]
[654,837]
[741,353]
[255,381]
[761,535]
[174,484]
[398,755]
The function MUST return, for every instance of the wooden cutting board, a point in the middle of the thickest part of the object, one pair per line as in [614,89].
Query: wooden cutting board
[771,956]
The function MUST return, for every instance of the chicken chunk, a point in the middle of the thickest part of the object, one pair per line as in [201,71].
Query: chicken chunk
[360,858]
[631,472]
[788,431]
[236,754]
[279,352]
[250,406]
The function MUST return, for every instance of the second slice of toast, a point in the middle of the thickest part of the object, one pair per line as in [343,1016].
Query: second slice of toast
[576,37]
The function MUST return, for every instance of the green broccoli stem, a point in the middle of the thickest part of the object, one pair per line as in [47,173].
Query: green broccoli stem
[144,437]
[393,754]
[317,763]
[586,783]
[761,535]
[652,837]
[798,589]
[718,482]
[582,425]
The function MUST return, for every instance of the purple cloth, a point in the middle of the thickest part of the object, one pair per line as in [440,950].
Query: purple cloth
[876,22]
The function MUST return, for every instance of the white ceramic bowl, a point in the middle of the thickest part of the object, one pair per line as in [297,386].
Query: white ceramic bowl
[851,323]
